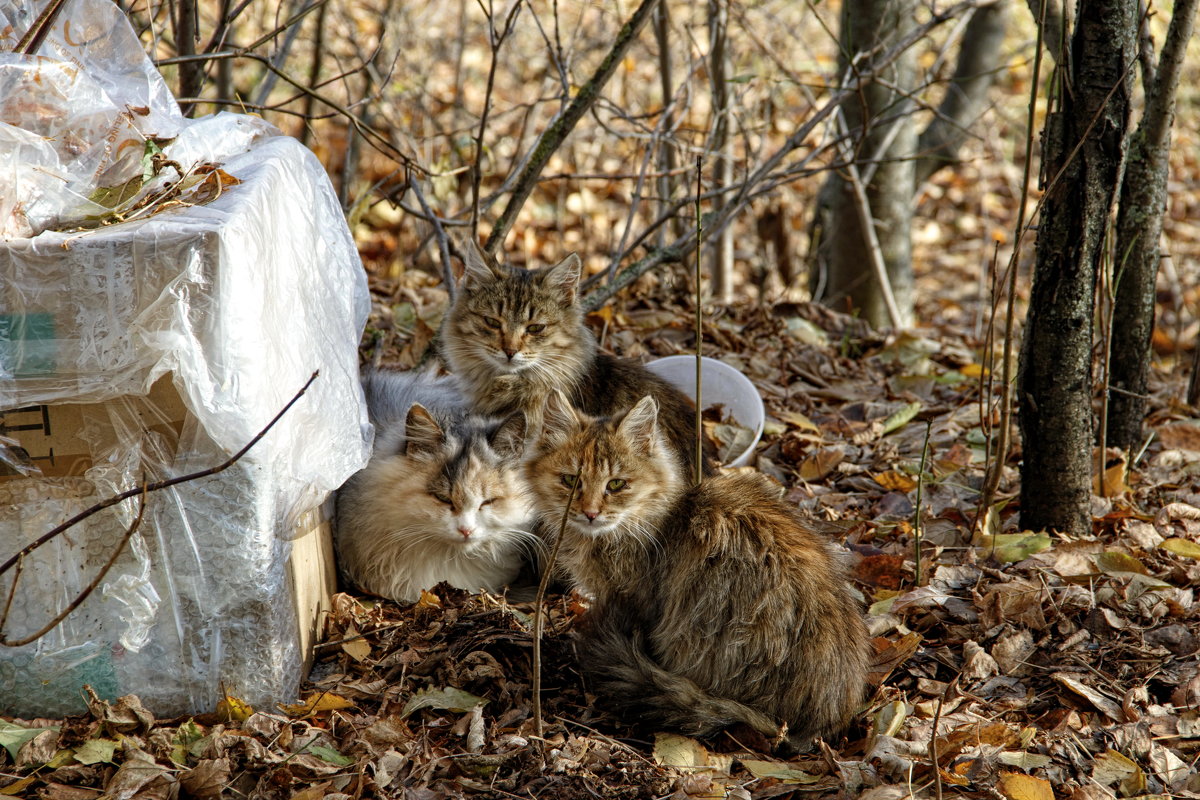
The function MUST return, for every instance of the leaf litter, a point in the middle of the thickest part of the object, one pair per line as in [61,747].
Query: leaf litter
[1025,664]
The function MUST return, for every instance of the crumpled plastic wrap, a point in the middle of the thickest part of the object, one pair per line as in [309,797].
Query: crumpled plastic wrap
[74,117]
[173,340]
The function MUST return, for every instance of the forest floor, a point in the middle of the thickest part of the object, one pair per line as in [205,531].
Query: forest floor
[1023,664]
[1008,663]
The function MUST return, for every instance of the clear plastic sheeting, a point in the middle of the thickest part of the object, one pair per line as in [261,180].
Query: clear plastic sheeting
[156,348]
[73,117]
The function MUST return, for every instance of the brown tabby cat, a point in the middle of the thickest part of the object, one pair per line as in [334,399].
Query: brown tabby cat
[714,604]
[515,335]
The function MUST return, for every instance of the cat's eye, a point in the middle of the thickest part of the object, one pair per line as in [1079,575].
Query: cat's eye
[570,480]
[616,485]
[536,327]
[492,323]
[441,498]
[488,502]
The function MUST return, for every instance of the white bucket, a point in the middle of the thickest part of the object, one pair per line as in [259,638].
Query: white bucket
[719,383]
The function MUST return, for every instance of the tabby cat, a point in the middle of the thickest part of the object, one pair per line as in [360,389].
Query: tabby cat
[713,604]
[514,335]
[443,497]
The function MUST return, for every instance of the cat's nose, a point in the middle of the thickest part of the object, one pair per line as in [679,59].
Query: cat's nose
[591,515]
[466,532]
[510,352]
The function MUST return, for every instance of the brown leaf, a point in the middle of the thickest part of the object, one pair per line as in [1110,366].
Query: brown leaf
[207,779]
[125,715]
[820,463]
[889,655]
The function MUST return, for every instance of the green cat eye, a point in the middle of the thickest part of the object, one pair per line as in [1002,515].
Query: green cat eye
[569,480]
[616,485]
[536,327]
[442,498]
[492,323]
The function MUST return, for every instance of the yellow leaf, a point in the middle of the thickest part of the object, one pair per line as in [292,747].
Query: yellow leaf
[232,709]
[19,786]
[895,481]
[429,600]
[315,703]
[1018,786]
[677,751]
[973,370]
[357,647]
[1113,562]
[798,420]
[1181,547]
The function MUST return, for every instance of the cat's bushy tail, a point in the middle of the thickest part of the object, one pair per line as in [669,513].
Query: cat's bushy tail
[632,682]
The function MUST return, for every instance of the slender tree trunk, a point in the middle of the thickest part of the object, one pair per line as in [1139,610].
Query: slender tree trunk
[721,142]
[1139,225]
[1084,141]
[979,59]
[191,73]
[884,143]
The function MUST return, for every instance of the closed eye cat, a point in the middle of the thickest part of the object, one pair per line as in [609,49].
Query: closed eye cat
[442,499]
[515,335]
[713,604]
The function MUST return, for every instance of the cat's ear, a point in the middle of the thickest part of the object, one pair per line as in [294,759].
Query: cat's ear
[422,435]
[640,424]
[559,420]
[508,440]
[479,266]
[563,278]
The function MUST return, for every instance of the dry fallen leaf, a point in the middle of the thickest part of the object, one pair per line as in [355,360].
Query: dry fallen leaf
[1018,786]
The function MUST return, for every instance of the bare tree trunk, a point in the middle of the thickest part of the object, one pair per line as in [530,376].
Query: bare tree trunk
[721,142]
[979,59]
[885,142]
[666,150]
[1139,225]
[191,73]
[1084,140]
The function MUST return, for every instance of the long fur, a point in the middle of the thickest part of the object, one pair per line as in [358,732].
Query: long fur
[713,603]
[395,536]
[491,339]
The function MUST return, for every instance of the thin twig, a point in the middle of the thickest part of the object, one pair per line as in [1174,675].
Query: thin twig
[538,614]
[79,598]
[917,511]
[699,321]
[439,233]
[564,123]
[156,486]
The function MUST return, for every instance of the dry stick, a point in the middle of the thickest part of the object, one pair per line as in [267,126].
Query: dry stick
[153,487]
[1001,456]
[863,206]
[917,510]
[747,188]
[563,124]
[378,140]
[82,596]
[699,413]
[31,42]
[439,233]
[495,42]
[539,617]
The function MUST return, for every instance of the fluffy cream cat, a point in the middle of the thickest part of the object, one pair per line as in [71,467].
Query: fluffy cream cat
[442,499]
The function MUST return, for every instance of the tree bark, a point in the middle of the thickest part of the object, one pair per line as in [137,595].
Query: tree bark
[1139,225]
[979,59]
[885,142]
[1084,141]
